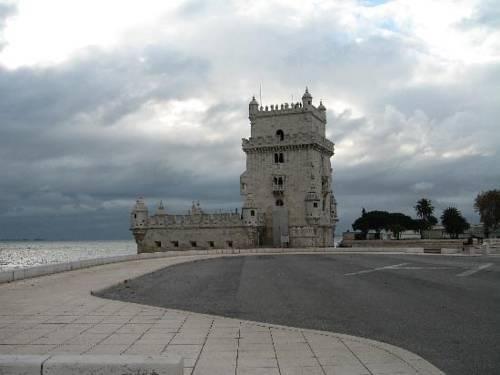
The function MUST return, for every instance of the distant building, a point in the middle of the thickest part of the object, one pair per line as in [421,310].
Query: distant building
[475,230]
[286,190]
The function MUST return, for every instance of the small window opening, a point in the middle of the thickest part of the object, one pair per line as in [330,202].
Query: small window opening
[276,158]
[158,243]
[135,216]
[281,159]
[280,181]
[252,213]
[175,243]
[315,204]
[229,243]
[279,202]
[309,102]
[280,135]
[211,243]
[193,243]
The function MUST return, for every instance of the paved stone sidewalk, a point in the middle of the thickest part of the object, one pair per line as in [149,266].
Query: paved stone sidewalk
[57,314]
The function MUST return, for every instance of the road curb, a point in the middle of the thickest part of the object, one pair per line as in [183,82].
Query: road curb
[69,364]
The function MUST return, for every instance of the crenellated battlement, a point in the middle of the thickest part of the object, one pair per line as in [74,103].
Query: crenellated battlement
[306,106]
[287,109]
[292,107]
[289,140]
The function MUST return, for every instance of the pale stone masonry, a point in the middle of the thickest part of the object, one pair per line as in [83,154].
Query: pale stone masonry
[286,190]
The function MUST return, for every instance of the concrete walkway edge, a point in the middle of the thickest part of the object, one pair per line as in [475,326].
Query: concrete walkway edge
[71,364]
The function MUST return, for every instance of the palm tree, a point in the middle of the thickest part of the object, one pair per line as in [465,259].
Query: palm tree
[424,209]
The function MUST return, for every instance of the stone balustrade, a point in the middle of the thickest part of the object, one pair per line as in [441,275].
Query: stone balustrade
[199,220]
[296,139]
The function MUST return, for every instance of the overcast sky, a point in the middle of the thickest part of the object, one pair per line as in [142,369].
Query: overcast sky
[103,101]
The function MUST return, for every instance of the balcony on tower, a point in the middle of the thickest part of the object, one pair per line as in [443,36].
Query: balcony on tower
[278,185]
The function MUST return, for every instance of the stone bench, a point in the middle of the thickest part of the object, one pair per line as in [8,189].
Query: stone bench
[68,364]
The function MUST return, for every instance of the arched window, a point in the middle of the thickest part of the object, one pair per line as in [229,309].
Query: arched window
[279,202]
[280,135]
[252,213]
[276,158]
[280,180]
[275,180]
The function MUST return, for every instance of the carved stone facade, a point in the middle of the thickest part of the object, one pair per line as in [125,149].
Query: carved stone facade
[287,190]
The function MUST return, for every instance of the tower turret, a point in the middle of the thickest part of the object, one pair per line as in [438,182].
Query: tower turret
[160,210]
[139,219]
[139,215]
[196,209]
[249,211]
[307,99]
[253,106]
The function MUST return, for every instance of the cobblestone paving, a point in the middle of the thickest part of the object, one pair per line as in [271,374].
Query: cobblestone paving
[57,314]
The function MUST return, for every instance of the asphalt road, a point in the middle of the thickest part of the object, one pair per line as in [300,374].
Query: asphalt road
[419,303]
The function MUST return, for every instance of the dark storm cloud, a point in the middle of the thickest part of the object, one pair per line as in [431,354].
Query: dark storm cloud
[51,165]
[114,84]
[398,187]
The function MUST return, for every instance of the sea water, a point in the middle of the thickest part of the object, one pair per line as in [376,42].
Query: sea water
[24,254]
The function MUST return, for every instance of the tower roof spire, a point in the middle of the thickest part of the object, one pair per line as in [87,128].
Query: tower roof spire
[307,95]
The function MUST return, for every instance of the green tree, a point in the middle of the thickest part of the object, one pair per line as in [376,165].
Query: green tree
[487,204]
[453,221]
[398,222]
[424,210]
[422,224]
[377,220]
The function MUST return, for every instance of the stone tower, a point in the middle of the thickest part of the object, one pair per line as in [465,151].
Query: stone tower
[139,219]
[288,173]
